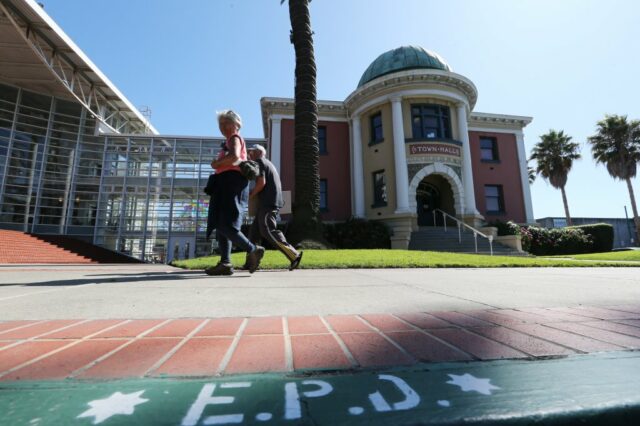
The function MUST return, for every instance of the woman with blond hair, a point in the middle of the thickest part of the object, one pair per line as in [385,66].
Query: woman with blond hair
[232,193]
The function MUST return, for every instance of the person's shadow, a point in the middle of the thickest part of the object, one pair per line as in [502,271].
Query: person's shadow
[126,278]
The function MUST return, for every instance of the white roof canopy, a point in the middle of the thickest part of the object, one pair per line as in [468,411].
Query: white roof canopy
[37,55]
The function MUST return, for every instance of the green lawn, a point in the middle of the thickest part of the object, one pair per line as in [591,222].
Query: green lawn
[620,256]
[326,259]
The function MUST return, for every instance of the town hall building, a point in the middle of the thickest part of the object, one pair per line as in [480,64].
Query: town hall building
[407,143]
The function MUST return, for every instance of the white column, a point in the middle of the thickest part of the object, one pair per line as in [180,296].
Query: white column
[276,133]
[400,155]
[358,170]
[467,171]
[524,177]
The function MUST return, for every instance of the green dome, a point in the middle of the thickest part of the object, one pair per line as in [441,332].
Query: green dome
[403,58]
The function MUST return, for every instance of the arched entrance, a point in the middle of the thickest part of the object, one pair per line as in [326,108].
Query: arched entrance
[435,183]
[433,192]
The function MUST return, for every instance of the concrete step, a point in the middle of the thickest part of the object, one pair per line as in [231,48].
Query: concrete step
[18,247]
[437,239]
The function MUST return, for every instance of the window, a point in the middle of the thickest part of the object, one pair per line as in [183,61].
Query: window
[322,139]
[430,122]
[323,195]
[379,189]
[376,129]
[494,198]
[489,149]
[559,223]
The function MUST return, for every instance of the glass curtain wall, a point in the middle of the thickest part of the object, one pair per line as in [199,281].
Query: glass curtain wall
[151,202]
[152,205]
[141,195]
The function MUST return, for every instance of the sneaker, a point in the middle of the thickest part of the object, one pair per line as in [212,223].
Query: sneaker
[296,262]
[220,269]
[254,258]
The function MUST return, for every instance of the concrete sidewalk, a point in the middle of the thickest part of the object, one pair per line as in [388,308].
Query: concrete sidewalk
[155,291]
[310,332]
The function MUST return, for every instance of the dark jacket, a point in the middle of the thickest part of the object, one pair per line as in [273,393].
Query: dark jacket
[211,190]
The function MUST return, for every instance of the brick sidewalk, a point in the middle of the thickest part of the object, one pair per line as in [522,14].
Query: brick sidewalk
[84,349]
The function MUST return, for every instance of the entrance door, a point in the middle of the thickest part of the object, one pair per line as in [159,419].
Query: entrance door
[181,248]
[427,200]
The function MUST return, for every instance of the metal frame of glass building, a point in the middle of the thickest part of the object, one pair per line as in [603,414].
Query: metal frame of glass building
[76,158]
[140,195]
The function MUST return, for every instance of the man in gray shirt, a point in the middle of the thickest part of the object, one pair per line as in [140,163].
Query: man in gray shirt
[268,189]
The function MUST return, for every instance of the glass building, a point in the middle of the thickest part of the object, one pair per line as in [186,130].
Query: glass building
[78,159]
[140,195]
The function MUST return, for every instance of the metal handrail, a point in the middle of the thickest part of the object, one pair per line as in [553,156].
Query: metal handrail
[460,225]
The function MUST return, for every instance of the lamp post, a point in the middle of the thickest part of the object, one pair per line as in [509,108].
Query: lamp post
[628,227]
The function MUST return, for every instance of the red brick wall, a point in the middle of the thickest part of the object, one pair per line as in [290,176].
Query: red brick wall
[505,172]
[334,167]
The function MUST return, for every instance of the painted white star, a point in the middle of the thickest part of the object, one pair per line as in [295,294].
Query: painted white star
[467,383]
[118,403]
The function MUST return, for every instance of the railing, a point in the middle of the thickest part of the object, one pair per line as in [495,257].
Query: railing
[461,226]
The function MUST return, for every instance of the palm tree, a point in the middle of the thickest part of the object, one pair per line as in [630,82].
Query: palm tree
[616,144]
[531,172]
[554,155]
[306,206]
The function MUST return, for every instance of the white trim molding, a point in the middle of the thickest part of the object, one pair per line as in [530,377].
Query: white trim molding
[283,108]
[443,94]
[275,140]
[358,169]
[400,156]
[402,79]
[467,166]
[524,177]
[497,123]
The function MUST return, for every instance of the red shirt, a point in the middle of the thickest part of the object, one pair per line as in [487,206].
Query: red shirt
[243,154]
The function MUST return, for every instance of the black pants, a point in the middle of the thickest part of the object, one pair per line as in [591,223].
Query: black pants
[265,225]
[230,203]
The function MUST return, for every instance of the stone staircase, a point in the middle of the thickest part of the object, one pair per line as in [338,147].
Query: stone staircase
[436,239]
[21,248]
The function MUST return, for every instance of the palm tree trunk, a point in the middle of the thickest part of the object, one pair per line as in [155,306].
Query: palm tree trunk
[306,206]
[636,219]
[566,206]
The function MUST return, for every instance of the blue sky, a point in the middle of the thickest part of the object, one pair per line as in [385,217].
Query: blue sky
[566,63]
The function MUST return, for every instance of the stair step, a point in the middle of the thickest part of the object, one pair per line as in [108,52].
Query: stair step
[437,239]
[18,247]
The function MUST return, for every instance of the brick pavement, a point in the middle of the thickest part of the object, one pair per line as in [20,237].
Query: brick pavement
[191,347]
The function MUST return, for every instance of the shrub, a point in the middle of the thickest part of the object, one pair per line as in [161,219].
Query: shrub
[357,233]
[505,228]
[602,235]
[545,241]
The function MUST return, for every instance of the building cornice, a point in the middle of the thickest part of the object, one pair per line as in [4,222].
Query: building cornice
[492,122]
[284,108]
[410,79]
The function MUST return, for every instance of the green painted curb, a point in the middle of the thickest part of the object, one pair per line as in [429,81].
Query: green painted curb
[585,388]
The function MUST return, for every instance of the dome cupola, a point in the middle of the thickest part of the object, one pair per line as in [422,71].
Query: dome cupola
[403,58]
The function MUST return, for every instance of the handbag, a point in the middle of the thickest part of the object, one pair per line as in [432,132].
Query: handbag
[249,169]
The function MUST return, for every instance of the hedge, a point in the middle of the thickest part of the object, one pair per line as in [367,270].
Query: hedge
[593,238]
[602,235]
[554,241]
[357,233]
